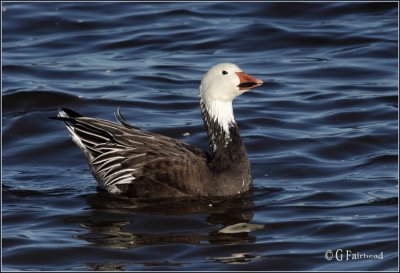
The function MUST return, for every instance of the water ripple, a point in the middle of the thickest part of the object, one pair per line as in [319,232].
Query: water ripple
[321,133]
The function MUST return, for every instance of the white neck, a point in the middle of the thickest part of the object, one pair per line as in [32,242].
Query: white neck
[220,112]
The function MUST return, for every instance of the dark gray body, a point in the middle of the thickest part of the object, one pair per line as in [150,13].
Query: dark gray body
[127,160]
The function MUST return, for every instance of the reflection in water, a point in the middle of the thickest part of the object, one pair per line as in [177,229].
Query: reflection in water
[121,222]
[106,267]
[241,227]
[236,258]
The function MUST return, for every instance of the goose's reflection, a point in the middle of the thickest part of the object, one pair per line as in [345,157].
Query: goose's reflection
[121,222]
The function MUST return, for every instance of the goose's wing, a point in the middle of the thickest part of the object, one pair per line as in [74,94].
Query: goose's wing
[121,155]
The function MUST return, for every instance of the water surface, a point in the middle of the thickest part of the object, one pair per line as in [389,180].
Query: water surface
[321,133]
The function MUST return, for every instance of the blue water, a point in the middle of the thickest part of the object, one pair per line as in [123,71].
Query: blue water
[321,133]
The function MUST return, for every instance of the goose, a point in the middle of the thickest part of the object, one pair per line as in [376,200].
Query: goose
[130,161]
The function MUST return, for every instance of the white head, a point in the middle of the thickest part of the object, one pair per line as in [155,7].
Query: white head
[220,86]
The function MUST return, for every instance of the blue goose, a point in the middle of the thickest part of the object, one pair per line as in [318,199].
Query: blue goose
[127,160]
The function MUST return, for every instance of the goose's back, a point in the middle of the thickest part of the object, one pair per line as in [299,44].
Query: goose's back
[125,159]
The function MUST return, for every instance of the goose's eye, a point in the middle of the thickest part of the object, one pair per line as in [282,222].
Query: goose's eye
[224,72]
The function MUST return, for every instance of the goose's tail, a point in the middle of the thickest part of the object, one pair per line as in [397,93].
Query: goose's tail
[106,151]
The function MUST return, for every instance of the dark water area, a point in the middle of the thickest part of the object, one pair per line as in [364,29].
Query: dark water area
[321,133]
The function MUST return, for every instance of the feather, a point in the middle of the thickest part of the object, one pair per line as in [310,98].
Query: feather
[118,115]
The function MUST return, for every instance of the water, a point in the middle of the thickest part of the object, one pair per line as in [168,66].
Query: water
[321,133]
